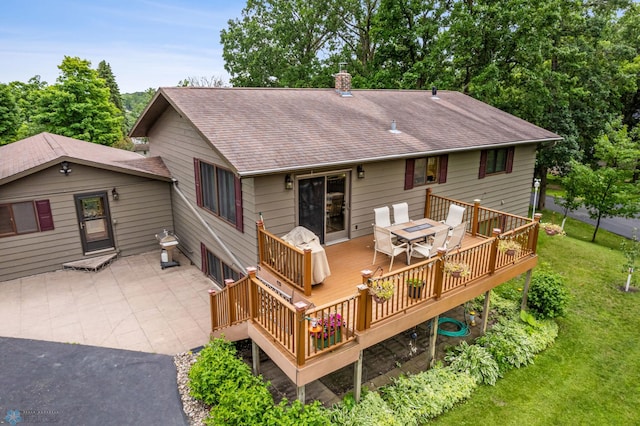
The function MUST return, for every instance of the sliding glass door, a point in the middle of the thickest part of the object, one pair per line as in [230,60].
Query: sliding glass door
[323,205]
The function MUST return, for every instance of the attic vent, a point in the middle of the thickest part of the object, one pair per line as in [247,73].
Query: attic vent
[394,128]
[343,81]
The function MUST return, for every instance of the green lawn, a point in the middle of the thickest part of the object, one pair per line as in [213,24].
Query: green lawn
[591,376]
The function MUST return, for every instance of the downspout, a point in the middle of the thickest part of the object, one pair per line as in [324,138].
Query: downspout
[211,232]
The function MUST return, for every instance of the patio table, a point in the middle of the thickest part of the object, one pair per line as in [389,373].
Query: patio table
[416,230]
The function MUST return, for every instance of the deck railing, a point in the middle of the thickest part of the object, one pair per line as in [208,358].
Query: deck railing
[291,264]
[306,332]
[480,220]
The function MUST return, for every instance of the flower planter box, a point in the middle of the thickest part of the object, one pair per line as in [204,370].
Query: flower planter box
[331,340]
[415,291]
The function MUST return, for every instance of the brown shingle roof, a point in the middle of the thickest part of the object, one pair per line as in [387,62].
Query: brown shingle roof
[45,149]
[262,130]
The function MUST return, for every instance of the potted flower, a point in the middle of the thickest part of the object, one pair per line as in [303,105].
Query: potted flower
[509,247]
[328,330]
[414,287]
[381,290]
[552,229]
[457,269]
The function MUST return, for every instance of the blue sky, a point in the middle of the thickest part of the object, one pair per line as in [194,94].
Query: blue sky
[148,43]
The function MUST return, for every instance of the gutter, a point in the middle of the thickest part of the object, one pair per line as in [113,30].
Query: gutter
[211,232]
[255,173]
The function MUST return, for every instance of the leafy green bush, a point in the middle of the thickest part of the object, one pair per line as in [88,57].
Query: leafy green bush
[218,371]
[371,410]
[548,296]
[241,404]
[417,398]
[474,360]
[297,413]
[509,344]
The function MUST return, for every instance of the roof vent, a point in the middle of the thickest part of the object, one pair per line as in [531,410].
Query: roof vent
[343,81]
[434,93]
[394,127]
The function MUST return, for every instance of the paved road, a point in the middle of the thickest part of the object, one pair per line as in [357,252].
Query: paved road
[617,225]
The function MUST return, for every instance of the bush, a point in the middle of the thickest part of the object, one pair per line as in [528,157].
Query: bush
[548,296]
[297,413]
[474,360]
[509,344]
[244,403]
[423,396]
[371,410]
[217,372]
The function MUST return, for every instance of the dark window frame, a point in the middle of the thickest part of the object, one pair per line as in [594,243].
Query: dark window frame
[216,269]
[42,217]
[490,156]
[219,191]
[410,168]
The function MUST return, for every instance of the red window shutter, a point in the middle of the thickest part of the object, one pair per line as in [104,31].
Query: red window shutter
[203,254]
[238,196]
[196,174]
[509,165]
[408,173]
[444,161]
[483,164]
[45,218]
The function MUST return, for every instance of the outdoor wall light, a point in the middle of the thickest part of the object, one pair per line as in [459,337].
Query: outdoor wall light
[64,168]
[360,171]
[114,194]
[288,182]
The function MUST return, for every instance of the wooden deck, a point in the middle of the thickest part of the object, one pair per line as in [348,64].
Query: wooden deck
[278,309]
[347,259]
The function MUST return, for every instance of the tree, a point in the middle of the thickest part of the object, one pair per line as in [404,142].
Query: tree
[134,104]
[213,81]
[79,105]
[278,43]
[105,73]
[605,186]
[9,115]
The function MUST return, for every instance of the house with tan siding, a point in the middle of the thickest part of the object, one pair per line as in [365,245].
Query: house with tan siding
[287,155]
[64,200]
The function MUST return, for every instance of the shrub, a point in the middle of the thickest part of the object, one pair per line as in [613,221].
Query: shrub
[474,360]
[218,371]
[426,395]
[509,344]
[297,413]
[371,410]
[548,296]
[241,404]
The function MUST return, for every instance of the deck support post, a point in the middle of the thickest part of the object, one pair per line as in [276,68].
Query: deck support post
[357,377]
[525,291]
[433,337]
[255,358]
[485,311]
[475,224]
[301,394]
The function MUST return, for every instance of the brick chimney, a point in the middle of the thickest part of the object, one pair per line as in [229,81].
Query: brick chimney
[343,82]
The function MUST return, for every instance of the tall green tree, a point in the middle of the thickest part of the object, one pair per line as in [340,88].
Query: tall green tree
[605,186]
[9,115]
[79,105]
[105,73]
[278,43]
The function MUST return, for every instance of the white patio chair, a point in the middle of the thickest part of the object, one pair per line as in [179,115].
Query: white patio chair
[382,216]
[455,215]
[457,234]
[384,244]
[401,213]
[430,249]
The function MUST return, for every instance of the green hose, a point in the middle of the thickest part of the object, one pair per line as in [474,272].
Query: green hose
[463,329]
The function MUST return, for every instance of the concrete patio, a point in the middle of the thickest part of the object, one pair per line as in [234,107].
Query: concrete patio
[131,304]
